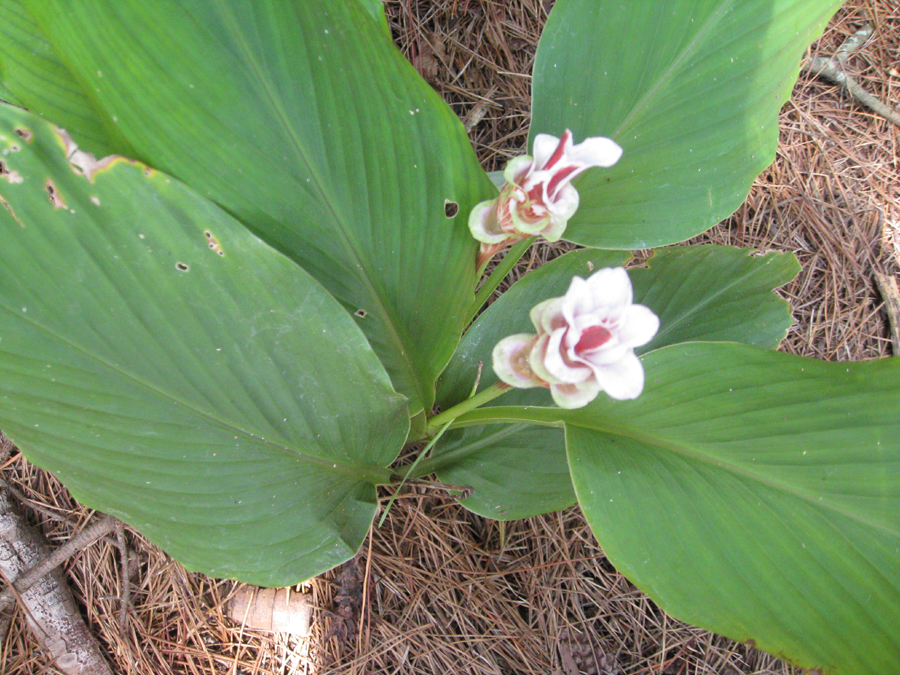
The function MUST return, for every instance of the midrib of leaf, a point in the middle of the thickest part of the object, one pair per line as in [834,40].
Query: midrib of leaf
[709,300]
[327,198]
[441,459]
[372,475]
[696,453]
[536,414]
[675,64]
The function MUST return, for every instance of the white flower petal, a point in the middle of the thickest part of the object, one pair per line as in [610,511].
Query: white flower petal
[524,226]
[578,300]
[536,358]
[544,146]
[624,379]
[510,361]
[595,151]
[554,231]
[566,203]
[538,177]
[610,287]
[554,363]
[639,325]
[516,167]
[571,396]
[605,356]
[547,315]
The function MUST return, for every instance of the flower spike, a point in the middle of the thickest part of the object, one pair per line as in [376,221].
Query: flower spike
[538,198]
[584,343]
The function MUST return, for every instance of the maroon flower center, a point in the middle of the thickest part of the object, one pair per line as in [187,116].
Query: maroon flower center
[592,338]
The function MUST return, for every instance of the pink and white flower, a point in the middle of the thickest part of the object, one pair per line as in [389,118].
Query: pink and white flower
[538,197]
[584,343]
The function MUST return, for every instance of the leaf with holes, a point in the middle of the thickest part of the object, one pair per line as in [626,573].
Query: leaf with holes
[176,371]
[303,121]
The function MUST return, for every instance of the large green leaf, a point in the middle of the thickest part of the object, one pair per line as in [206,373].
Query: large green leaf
[716,294]
[304,121]
[512,471]
[753,493]
[376,9]
[690,89]
[39,81]
[174,370]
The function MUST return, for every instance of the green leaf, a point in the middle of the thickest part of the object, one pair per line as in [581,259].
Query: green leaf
[177,372]
[513,471]
[691,91]
[38,80]
[752,493]
[305,122]
[716,294]
[376,9]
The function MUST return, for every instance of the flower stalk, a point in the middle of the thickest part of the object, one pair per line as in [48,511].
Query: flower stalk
[438,421]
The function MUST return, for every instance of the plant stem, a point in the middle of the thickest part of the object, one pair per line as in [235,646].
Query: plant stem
[410,470]
[499,273]
[437,462]
[444,418]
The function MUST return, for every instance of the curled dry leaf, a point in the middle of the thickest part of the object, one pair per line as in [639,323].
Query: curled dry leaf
[279,610]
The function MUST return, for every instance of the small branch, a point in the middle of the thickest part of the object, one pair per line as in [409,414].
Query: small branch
[50,609]
[26,501]
[124,566]
[833,70]
[890,291]
[90,534]
[853,43]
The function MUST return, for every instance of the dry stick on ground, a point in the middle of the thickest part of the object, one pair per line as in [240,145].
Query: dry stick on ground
[50,609]
[125,584]
[891,294]
[833,70]
[57,557]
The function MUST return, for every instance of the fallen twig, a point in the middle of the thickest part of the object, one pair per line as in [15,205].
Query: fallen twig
[32,570]
[124,566]
[50,609]
[57,557]
[833,70]
[890,291]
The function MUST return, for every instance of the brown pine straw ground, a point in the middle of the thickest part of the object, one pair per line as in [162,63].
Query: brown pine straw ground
[437,590]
